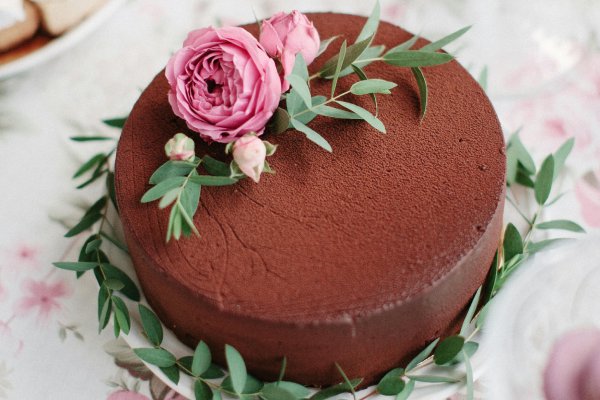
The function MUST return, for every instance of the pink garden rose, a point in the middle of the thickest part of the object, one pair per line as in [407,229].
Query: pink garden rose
[249,152]
[223,83]
[573,369]
[285,35]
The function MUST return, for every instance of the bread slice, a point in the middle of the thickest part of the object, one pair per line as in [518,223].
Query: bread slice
[14,35]
[58,16]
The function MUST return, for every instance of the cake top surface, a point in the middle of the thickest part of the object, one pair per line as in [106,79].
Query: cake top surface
[336,235]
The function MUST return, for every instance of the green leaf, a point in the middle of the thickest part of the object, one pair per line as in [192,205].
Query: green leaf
[90,138]
[513,242]
[202,391]
[300,69]
[333,112]
[116,327]
[76,266]
[252,385]
[280,121]
[426,352]
[438,44]
[469,376]
[299,391]
[110,188]
[512,163]
[169,198]
[208,180]
[561,224]
[115,122]
[416,58]
[159,357]
[335,390]
[560,156]
[404,45]
[434,379]
[113,284]
[543,244]
[213,372]
[162,188]
[312,135]
[237,368]
[86,222]
[521,153]
[301,87]
[151,324]
[370,55]
[190,198]
[372,86]
[523,179]
[272,392]
[364,114]
[202,359]
[470,348]
[215,167]
[353,52]
[363,77]
[98,172]
[408,389]
[483,78]
[121,314]
[89,164]
[282,369]
[490,281]
[104,307]
[188,220]
[346,380]
[543,180]
[470,313]
[325,44]
[172,169]
[130,289]
[392,383]
[338,67]
[372,24]
[172,373]
[448,349]
[423,91]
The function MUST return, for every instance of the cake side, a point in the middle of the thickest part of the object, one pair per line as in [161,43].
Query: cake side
[359,257]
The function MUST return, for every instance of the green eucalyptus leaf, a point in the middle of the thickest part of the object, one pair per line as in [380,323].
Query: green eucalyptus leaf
[202,359]
[272,392]
[282,369]
[215,167]
[336,389]
[312,135]
[438,44]
[353,52]
[333,112]
[512,163]
[408,389]
[130,289]
[372,86]
[187,218]
[363,77]
[172,169]
[90,138]
[202,391]
[151,324]
[252,385]
[110,188]
[300,69]
[392,383]
[470,348]
[372,24]
[113,284]
[172,373]
[280,121]
[208,180]
[434,379]
[115,122]
[448,349]
[524,179]
[490,281]
[325,44]
[521,153]
[159,357]
[560,156]
[416,58]
[364,114]
[345,377]
[93,162]
[469,376]
[404,45]
[470,313]
[237,368]
[426,352]
[213,372]
[543,180]
[104,307]
[513,242]
[116,327]
[543,244]
[169,198]
[483,78]
[76,266]
[162,188]
[98,172]
[338,67]
[86,223]
[423,91]
[367,57]
[561,224]
[190,197]
[301,87]
[299,391]
[121,314]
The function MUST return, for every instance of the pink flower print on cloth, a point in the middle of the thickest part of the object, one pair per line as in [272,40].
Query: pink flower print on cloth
[42,297]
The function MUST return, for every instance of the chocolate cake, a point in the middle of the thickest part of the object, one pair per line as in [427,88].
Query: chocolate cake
[359,257]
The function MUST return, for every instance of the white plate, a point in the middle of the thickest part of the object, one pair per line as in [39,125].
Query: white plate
[62,43]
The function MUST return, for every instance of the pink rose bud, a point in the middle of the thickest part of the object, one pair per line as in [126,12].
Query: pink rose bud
[180,148]
[284,36]
[573,369]
[249,153]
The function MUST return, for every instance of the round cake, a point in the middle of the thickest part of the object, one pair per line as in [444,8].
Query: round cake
[359,257]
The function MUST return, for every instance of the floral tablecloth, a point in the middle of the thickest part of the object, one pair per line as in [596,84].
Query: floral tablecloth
[542,64]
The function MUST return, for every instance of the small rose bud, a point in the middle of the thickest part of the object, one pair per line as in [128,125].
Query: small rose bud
[180,148]
[249,153]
